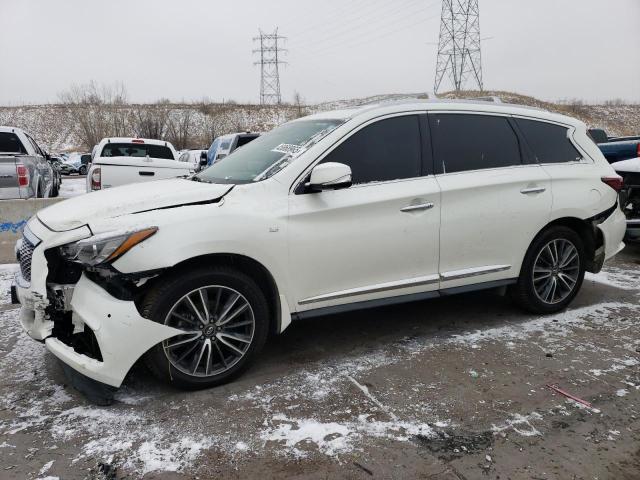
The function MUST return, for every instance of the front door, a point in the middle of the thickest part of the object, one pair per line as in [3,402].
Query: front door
[377,239]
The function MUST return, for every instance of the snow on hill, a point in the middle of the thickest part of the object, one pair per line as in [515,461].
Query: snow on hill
[63,128]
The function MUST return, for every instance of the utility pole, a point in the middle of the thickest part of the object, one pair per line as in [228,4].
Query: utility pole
[459,59]
[270,59]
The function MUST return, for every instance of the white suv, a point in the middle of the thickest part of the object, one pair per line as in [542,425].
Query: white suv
[336,211]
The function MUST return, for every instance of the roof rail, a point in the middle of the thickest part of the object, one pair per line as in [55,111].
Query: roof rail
[489,98]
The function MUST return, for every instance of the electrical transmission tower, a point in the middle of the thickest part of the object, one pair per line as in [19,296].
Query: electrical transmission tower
[270,60]
[459,58]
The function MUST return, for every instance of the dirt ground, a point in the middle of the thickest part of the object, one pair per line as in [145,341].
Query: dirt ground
[454,388]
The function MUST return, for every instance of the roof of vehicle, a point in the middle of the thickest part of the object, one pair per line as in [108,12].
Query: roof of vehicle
[488,105]
[132,140]
[237,134]
[6,129]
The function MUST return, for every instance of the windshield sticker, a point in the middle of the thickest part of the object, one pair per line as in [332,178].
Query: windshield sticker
[288,148]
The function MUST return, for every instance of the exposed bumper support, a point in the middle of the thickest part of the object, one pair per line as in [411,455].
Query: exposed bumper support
[122,334]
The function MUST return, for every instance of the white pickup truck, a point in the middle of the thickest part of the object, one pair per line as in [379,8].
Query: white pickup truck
[119,161]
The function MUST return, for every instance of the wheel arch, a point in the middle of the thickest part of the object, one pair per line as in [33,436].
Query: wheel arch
[256,270]
[592,237]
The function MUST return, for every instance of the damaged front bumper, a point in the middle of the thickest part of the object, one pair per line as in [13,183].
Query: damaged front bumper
[87,328]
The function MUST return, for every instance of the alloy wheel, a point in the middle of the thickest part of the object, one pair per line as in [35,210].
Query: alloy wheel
[218,325]
[556,271]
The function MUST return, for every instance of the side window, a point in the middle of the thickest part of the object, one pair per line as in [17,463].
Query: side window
[385,150]
[550,143]
[463,142]
[33,143]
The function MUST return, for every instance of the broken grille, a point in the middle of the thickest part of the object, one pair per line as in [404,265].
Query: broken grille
[24,257]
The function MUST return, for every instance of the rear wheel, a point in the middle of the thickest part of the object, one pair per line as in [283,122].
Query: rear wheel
[552,272]
[82,170]
[224,316]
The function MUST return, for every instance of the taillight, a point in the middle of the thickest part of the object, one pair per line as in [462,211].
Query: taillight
[638,150]
[137,140]
[96,179]
[23,175]
[616,182]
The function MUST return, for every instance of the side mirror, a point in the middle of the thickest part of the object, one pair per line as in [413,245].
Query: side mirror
[203,159]
[329,176]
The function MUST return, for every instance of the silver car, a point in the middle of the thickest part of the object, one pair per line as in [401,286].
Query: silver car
[24,168]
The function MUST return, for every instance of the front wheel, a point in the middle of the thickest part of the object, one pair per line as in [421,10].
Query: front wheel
[82,170]
[552,271]
[224,316]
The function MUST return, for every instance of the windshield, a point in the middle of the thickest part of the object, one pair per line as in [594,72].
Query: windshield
[137,150]
[268,154]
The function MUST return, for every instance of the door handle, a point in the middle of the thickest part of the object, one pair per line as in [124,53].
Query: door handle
[533,190]
[415,208]
[146,174]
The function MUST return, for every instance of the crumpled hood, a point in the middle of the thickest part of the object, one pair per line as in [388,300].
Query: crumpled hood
[627,166]
[137,197]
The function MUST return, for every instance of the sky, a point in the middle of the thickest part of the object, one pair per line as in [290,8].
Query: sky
[336,49]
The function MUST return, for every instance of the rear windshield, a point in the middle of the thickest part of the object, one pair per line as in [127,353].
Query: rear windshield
[136,150]
[10,143]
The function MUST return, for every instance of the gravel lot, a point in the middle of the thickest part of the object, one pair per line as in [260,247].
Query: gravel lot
[453,388]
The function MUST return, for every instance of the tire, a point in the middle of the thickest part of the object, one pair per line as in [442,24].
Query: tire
[82,170]
[555,285]
[167,304]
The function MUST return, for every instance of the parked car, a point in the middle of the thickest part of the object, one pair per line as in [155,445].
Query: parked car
[629,170]
[225,144]
[24,169]
[194,157]
[78,163]
[119,161]
[56,168]
[616,149]
[337,211]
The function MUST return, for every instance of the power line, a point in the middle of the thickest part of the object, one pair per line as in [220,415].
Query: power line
[459,57]
[270,61]
[374,20]
[400,25]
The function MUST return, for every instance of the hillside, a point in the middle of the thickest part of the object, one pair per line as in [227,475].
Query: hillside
[78,127]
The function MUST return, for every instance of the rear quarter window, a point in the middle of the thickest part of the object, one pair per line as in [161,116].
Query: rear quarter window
[548,142]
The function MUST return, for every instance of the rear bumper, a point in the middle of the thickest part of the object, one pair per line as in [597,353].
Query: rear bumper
[613,231]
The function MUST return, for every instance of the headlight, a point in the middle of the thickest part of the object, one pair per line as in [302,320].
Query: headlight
[105,247]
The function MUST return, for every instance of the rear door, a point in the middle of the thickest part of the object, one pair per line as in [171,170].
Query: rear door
[494,201]
[376,239]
